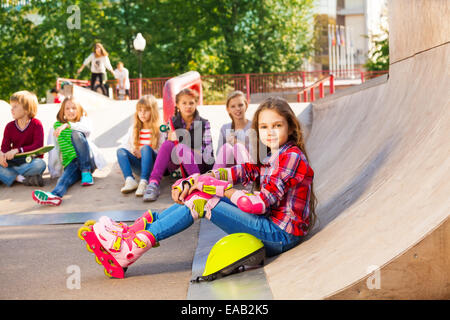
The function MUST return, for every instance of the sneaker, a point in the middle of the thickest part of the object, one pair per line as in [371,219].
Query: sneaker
[130,185]
[43,197]
[87,179]
[141,188]
[35,180]
[152,192]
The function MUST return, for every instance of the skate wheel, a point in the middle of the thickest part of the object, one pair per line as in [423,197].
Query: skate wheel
[82,231]
[107,273]
[98,260]
[90,223]
[88,247]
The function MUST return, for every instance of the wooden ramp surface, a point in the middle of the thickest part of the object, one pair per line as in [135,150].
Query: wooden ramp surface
[382,161]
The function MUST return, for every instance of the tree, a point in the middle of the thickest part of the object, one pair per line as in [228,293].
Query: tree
[212,37]
[379,57]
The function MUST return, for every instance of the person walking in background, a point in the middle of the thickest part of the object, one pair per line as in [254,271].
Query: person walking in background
[123,85]
[99,63]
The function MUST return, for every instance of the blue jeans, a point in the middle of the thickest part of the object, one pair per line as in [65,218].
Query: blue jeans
[230,219]
[129,163]
[35,167]
[84,162]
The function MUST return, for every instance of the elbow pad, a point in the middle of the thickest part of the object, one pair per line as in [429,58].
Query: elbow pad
[248,202]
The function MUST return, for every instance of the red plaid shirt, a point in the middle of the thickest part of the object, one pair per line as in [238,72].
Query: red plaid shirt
[285,187]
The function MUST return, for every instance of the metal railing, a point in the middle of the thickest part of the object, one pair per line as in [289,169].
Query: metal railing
[216,87]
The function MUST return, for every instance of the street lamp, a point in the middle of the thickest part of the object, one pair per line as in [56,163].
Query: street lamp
[139,45]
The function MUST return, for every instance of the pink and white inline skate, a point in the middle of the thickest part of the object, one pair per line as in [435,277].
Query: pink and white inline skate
[115,250]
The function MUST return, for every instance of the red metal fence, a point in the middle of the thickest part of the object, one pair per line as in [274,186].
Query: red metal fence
[216,87]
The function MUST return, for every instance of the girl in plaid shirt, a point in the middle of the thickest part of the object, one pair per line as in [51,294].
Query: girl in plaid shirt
[280,214]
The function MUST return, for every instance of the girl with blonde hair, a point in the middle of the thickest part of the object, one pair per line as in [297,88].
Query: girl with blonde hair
[141,144]
[75,157]
[234,140]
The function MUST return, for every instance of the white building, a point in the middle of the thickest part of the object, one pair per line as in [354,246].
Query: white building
[365,19]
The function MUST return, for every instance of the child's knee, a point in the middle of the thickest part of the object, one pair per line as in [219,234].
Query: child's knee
[146,149]
[77,136]
[40,165]
[121,152]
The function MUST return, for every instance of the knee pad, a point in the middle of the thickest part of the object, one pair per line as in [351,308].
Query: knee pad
[248,202]
[200,204]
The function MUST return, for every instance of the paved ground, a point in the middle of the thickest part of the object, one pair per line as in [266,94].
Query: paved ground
[42,262]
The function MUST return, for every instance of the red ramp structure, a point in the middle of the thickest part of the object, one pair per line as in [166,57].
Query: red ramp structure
[381,154]
[174,85]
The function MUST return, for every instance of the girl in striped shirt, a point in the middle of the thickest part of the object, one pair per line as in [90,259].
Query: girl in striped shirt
[138,151]
[280,214]
[74,154]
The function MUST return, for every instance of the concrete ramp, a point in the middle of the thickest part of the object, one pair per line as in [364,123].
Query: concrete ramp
[382,161]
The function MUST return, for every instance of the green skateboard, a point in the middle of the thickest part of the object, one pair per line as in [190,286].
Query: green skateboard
[30,155]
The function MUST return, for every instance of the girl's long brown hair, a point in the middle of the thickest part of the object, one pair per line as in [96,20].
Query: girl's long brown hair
[104,53]
[282,107]
[186,92]
[148,102]
[80,111]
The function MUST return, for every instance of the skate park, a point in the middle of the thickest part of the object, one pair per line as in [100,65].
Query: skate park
[381,156]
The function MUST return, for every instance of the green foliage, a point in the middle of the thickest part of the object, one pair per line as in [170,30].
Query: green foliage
[212,37]
[379,57]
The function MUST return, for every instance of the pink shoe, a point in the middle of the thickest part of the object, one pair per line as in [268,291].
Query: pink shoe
[115,250]
[138,225]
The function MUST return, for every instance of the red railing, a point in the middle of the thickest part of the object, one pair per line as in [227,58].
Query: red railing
[216,87]
[318,84]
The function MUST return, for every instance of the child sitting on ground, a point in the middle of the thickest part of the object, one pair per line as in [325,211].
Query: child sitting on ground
[141,144]
[234,140]
[25,133]
[80,157]
[194,152]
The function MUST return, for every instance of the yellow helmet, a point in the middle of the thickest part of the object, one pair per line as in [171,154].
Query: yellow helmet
[231,253]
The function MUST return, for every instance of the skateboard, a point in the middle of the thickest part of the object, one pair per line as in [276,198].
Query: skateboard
[30,155]
[181,173]
[112,268]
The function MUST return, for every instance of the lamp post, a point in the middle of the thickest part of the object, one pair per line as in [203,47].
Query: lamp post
[139,45]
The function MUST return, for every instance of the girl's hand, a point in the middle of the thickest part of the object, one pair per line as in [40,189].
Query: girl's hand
[231,139]
[58,130]
[137,153]
[3,162]
[172,136]
[178,196]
